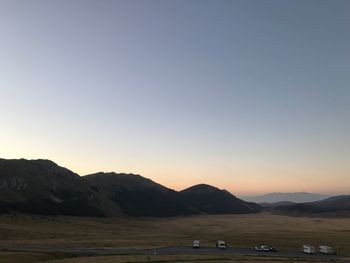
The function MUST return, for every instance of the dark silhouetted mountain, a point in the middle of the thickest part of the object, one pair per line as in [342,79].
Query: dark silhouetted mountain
[297,197]
[207,199]
[43,187]
[335,204]
[138,196]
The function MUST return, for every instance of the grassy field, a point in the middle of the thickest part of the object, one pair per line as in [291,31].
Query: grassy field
[284,232]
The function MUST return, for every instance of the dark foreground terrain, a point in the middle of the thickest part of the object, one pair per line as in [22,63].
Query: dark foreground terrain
[72,239]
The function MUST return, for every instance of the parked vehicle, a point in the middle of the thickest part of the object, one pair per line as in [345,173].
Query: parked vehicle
[196,244]
[221,244]
[265,249]
[273,249]
[326,250]
[309,249]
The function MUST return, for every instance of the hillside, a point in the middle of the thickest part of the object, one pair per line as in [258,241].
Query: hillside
[268,206]
[296,197]
[207,199]
[43,187]
[136,195]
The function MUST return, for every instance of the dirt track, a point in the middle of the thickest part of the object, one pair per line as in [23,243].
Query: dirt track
[172,251]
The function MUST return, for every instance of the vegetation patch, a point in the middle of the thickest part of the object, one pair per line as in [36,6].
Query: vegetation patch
[30,257]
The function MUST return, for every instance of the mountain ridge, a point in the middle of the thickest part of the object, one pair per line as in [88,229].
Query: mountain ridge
[148,198]
[42,187]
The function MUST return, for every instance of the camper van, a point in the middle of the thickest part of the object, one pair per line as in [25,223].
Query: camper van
[196,244]
[221,244]
[308,249]
[326,250]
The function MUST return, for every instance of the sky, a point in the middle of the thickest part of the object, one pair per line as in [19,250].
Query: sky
[247,95]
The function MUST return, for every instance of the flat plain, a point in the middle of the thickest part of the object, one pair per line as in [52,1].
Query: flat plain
[285,232]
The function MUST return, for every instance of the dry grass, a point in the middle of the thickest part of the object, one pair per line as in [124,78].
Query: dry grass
[29,257]
[284,232]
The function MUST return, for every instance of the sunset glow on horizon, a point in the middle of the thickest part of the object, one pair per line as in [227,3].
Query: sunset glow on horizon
[249,96]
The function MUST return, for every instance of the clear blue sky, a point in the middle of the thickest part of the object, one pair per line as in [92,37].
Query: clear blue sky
[251,96]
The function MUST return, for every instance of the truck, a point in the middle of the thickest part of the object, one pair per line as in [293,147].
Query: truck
[308,249]
[221,244]
[196,244]
[326,250]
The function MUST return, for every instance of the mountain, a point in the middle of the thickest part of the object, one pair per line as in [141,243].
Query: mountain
[297,197]
[207,199]
[138,196]
[43,187]
[336,204]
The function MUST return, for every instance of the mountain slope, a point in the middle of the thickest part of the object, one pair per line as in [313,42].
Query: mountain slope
[207,199]
[43,187]
[138,196]
[297,197]
[267,206]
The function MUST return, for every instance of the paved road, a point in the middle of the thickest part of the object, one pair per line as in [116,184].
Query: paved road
[169,251]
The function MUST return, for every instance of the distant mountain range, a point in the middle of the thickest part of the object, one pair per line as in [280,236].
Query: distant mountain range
[336,204]
[297,197]
[43,187]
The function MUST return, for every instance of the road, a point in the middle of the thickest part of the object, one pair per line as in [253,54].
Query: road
[170,251]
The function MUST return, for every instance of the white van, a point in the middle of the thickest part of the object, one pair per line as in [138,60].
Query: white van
[326,250]
[221,244]
[196,244]
[308,249]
